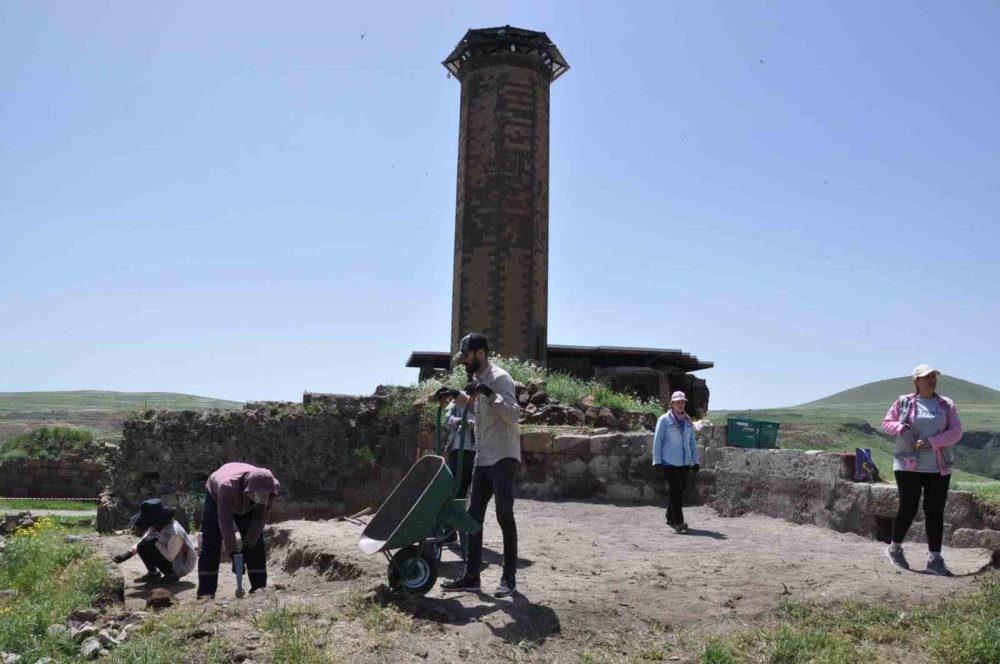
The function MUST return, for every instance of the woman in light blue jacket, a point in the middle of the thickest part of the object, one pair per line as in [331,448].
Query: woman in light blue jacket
[676,450]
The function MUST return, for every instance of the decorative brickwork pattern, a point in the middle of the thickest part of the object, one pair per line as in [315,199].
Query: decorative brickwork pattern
[72,477]
[502,208]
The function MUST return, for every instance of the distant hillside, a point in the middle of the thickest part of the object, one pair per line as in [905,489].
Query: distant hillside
[83,401]
[882,393]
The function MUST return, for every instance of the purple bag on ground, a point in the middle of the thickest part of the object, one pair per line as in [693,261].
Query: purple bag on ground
[864,466]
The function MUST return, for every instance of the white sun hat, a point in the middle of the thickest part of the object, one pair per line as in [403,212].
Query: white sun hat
[922,370]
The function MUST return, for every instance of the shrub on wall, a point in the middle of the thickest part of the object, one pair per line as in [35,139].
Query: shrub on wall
[564,387]
[47,443]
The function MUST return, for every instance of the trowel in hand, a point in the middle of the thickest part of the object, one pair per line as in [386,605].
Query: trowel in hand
[238,568]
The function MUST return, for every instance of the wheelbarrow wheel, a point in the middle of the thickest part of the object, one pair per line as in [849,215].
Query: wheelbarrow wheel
[414,569]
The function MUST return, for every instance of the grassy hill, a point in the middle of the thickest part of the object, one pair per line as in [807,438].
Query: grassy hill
[97,400]
[978,405]
[883,392]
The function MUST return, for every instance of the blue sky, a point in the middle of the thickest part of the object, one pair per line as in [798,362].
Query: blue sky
[248,200]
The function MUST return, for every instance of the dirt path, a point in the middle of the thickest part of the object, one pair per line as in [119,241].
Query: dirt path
[588,566]
[39,513]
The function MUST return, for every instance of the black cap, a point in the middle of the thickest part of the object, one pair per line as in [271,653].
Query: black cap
[153,514]
[471,342]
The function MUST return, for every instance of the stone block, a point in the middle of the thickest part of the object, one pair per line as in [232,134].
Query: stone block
[962,509]
[918,532]
[982,539]
[883,499]
[536,441]
[571,447]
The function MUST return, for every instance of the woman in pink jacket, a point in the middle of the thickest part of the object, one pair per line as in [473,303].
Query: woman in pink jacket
[926,427]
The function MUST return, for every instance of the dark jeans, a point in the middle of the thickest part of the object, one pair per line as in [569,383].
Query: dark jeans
[153,559]
[496,481]
[254,557]
[935,489]
[677,478]
[467,465]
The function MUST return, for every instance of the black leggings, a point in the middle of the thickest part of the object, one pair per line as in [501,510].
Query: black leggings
[935,489]
[677,479]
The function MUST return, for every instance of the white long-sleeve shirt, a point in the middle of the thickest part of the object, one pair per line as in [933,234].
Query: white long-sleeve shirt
[497,431]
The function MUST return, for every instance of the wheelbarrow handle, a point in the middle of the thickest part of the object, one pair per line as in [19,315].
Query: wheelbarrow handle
[463,427]
[437,430]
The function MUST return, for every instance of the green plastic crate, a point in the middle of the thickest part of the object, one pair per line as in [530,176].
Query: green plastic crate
[741,432]
[748,432]
[767,434]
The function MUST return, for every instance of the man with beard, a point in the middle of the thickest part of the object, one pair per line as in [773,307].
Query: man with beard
[491,391]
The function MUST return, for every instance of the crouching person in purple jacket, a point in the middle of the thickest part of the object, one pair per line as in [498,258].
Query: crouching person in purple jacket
[238,497]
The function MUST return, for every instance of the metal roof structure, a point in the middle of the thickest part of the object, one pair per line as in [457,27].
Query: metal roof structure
[505,39]
[598,355]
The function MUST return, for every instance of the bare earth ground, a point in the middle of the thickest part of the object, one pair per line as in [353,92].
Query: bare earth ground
[587,570]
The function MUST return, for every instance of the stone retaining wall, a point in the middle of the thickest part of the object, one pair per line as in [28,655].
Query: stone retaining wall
[816,488]
[72,477]
[332,454]
[608,466]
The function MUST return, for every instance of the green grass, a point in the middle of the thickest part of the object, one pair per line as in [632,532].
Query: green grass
[988,492]
[98,400]
[964,630]
[52,578]
[170,638]
[364,456]
[47,443]
[293,636]
[563,387]
[10,505]
[382,622]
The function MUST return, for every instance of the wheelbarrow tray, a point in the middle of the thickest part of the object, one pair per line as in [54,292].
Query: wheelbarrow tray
[421,500]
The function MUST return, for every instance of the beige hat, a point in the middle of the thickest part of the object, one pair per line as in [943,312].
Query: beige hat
[677,396]
[922,370]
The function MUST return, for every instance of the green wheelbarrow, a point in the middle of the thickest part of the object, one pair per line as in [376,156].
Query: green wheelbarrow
[417,517]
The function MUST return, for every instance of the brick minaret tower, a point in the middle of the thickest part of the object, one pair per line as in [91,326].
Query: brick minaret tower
[502,211]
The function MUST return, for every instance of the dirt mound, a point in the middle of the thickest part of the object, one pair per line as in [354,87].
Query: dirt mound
[323,549]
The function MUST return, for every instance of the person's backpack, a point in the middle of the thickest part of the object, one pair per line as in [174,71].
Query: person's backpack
[864,466]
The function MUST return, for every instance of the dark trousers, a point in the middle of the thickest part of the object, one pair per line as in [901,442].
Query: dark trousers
[496,481]
[468,462]
[153,559]
[935,489]
[677,478]
[254,557]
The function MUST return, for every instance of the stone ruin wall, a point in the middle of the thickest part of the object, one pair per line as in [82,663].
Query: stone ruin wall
[71,477]
[320,451]
[313,450]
